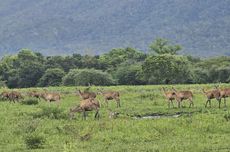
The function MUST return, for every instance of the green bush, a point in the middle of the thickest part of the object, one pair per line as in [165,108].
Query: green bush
[51,113]
[83,77]
[30,101]
[34,141]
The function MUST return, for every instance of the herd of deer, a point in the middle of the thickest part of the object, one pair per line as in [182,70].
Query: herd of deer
[179,96]
[90,103]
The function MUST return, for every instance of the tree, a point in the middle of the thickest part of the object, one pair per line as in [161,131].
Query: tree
[117,56]
[52,77]
[166,69]
[85,76]
[162,46]
[127,74]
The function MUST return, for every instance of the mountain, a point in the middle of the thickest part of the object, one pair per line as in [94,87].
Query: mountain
[55,27]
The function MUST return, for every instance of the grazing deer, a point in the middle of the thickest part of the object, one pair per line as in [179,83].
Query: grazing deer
[184,95]
[170,95]
[5,95]
[224,93]
[14,95]
[51,97]
[35,94]
[111,95]
[86,94]
[211,94]
[86,105]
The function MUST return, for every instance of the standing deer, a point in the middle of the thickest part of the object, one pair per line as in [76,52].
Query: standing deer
[211,94]
[224,93]
[14,95]
[111,95]
[51,97]
[35,94]
[5,95]
[170,95]
[86,105]
[86,94]
[183,95]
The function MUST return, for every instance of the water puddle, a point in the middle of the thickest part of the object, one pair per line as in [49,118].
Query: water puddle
[158,116]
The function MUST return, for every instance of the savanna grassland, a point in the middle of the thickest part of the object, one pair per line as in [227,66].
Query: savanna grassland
[40,127]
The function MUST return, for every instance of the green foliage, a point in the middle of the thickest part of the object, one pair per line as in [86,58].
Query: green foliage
[83,77]
[128,74]
[30,101]
[51,113]
[127,66]
[162,46]
[52,77]
[34,141]
[117,56]
[166,69]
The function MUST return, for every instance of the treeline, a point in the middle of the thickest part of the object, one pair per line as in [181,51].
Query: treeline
[123,66]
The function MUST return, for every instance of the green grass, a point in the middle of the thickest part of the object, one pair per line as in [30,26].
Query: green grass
[43,128]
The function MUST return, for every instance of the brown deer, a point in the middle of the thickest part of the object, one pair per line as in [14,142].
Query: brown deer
[86,105]
[5,95]
[111,95]
[14,95]
[35,94]
[170,95]
[224,93]
[55,97]
[184,95]
[212,94]
[86,94]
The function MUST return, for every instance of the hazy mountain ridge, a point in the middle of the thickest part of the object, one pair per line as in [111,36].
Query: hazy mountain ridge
[96,26]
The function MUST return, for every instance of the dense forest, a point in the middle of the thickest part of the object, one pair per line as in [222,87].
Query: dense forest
[120,66]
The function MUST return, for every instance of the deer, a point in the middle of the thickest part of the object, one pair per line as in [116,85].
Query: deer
[5,95]
[89,104]
[212,94]
[183,95]
[170,96]
[55,97]
[224,93]
[111,95]
[14,95]
[35,94]
[86,94]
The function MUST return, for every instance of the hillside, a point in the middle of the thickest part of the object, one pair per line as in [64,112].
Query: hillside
[96,26]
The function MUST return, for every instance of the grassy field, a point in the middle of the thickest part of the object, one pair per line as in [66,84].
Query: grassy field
[44,128]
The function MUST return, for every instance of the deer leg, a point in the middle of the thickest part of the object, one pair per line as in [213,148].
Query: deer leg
[118,103]
[172,103]
[191,103]
[178,104]
[207,103]
[84,115]
[225,102]
[219,100]
[169,104]
[96,115]
[107,104]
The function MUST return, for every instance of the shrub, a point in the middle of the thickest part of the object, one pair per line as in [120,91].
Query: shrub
[51,113]
[85,76]
[30,101]
[34,141]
